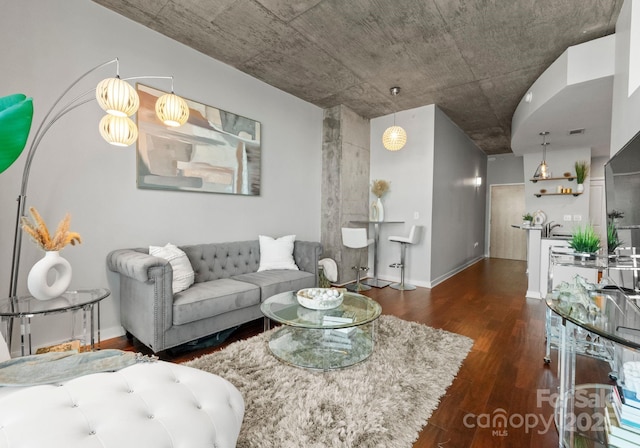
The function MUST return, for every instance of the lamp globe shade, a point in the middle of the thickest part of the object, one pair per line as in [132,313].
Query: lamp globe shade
[117,97]
[172,110]
[394,138]
[118,131]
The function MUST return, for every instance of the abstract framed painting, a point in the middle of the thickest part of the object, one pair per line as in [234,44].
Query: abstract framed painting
[213,152]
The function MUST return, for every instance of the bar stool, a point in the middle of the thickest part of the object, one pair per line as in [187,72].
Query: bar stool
[355,238]
[413,238]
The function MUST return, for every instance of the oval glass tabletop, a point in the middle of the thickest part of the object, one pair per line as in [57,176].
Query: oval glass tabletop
[285,309]
[617,317]
[70,300]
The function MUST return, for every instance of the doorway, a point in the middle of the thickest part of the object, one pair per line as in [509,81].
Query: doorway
[507,208]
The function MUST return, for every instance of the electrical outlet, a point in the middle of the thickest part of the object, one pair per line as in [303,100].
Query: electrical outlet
[416,215]
[476,244]
[567,217]
[577,217]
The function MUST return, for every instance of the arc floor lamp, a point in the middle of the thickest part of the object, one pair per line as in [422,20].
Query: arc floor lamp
[120,100]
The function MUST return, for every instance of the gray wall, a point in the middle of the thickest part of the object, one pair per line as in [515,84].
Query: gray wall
[505,169]
[49,43]
[458,205]
[410,172]
[432,184]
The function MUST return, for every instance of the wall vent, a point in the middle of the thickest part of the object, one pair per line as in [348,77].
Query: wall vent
[576,131]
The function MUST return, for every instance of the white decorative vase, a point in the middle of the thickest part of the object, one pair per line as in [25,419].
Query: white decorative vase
[580,188]
[39,275]
[377,211]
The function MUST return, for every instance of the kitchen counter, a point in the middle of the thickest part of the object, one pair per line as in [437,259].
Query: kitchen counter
[560,273]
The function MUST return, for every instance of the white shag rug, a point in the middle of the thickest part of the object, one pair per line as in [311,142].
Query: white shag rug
[382,402]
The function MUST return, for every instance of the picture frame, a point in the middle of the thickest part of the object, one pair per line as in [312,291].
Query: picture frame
[215,151]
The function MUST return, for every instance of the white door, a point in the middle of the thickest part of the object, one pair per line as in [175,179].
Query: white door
[597,209]
[507,208]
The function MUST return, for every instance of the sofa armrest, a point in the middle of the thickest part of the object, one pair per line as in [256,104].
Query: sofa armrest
[138,265]
[146,296]
[306,255]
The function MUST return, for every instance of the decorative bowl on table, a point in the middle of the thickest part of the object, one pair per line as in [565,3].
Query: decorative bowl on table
[320,298]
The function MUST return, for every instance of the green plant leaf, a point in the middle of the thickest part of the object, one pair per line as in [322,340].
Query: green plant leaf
[16,114]
[585,240]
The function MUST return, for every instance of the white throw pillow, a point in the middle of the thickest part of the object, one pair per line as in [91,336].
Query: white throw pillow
[277,253]
[183,275]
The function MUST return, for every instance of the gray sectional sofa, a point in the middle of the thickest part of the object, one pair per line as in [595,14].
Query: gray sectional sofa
[227,290]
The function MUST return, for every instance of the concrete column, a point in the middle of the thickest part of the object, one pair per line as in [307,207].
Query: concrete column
[345,184]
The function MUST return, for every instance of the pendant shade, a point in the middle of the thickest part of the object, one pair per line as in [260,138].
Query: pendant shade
[118,131]
[117,97]
[172,110]
[394,138]
[543,172]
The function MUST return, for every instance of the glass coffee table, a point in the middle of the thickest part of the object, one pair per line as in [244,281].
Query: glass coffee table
[315,339]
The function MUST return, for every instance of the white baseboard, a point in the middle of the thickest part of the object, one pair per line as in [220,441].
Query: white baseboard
[453,272]
[533,295]
[105,333]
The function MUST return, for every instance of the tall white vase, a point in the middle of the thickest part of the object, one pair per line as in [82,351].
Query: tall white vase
[41,272]
[377,211]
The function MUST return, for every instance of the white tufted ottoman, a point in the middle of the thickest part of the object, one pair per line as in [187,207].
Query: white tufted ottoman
[154,405]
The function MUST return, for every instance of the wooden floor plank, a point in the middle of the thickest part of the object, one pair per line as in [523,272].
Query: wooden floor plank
[504,370]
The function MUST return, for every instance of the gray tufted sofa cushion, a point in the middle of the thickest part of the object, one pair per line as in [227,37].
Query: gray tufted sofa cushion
[223,260]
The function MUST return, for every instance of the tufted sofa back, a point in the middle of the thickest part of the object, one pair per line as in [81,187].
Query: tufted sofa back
[223,260]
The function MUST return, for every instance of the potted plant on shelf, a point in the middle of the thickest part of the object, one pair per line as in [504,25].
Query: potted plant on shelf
[527,219]
[612,237]
[582,171]
[585,241]
[615,215]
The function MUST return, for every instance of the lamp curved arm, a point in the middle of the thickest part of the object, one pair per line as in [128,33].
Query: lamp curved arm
[151,77]
[50,118]
[46,125]
[41,131]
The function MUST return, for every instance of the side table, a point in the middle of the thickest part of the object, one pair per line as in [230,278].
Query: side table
[26,307]
[618,324]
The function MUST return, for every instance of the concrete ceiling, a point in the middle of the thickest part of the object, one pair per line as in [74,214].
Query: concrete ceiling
[475,59]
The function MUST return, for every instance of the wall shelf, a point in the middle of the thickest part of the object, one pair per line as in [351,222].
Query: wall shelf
[574,193]
[534,179]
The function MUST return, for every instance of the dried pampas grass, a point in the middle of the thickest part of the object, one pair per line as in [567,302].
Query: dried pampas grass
[379,187]
[39,232]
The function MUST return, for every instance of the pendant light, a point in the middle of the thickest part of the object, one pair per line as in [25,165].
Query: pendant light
[543,171]
[394,138]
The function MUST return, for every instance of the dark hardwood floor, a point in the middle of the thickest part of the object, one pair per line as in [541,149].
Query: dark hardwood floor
[504,374]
